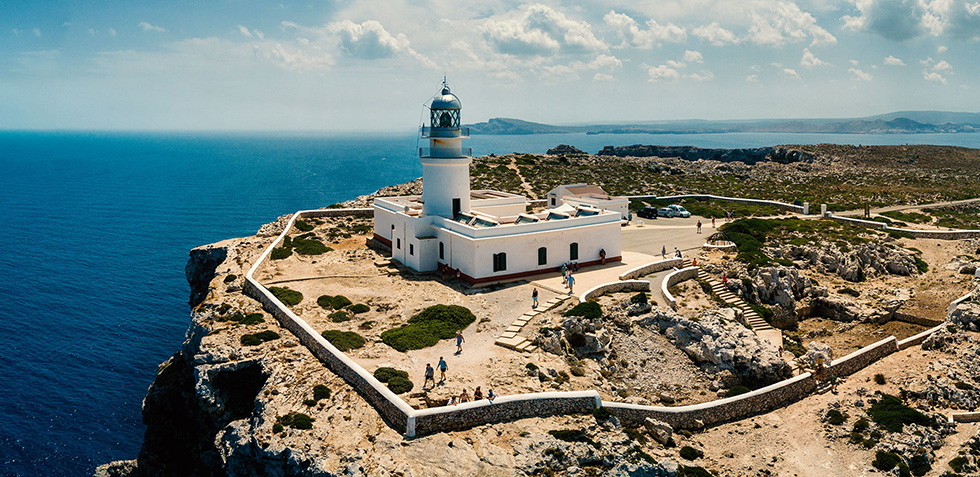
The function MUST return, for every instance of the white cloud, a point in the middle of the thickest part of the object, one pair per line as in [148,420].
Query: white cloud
[714,34]
[752,78]
[854,62]
[296,58]
[370,40]
[942,66]
[662,72]
[702,76]
[148,27]
[933,76]
[540,30]
[606,62]
[693,57]
[892,61]
[810,60]
[675,64]
[941,49]
[776,23]
[791,73]
[901,20]
[631,34]
[244,31]
[603,78]
[860,75]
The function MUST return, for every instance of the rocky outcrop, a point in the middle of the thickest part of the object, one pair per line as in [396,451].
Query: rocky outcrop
[585,337]
[966,316]
[784,155]
[818,352]
[865,260]
[200,270]
[275,227]
[564,149]
[689,153]
[718,340]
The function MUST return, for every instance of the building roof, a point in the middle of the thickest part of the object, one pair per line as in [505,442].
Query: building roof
[585,189]
[445,100]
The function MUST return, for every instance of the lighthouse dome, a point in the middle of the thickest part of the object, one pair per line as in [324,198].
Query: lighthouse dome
[445,100]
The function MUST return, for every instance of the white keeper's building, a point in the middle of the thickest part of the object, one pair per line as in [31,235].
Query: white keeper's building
[485,235]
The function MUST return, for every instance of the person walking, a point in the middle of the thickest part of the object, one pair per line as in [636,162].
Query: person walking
[442,369]
[712,222]
[459,342]
[571,282]
[430,375]
[699,225]
[663,252]
[534,299]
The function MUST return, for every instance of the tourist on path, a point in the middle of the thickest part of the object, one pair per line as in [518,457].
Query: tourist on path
[712,222]
[699,225]
[430,375]
[442,369]
[663,252]
[490,395]
[464,397]
[534,299]
[459,342]
[571,282]
[677,253]
[477,394]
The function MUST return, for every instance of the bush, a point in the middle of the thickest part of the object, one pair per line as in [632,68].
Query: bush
[286,296]
[259,338]
[963,386]
[577,371]
[304,246]
[250,340]
[886,460]
[602,413]
[335,302]
[339,316]
[425,329]
[359,308]
[920,264]
[695,471]
[736,390]
[861,425]
[892,415]
[764,311]
[302,225]
[309,402]
[589,309]
[958,463]
[834,417]
[280,253]
[399,385]
[321,392]
[919,464]
[252,319]
[880,379]
[230,278]
[384,374]
[367,325]
[690,453]
[277,428]
[856,438]
[640,298]
[324,301]
[344,340]
[301,421]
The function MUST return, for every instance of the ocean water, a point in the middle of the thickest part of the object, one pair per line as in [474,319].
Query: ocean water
[96,229]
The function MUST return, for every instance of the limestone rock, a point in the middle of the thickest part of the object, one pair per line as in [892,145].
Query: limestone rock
[966,316]
[819,351]
[275,227]
[659,430]
[838,308]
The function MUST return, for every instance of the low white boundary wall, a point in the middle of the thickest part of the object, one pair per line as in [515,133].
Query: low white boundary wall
[651,267]
[612,287]
[782,205]
[929,234]
[674,278]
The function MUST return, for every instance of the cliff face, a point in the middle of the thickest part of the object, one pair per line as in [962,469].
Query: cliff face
[751,156]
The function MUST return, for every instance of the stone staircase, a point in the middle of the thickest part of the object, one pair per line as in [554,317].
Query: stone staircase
[751,317]
[510,338]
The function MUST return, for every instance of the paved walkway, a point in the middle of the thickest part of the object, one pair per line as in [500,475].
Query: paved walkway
[860,212]
[510,338]
[589,277]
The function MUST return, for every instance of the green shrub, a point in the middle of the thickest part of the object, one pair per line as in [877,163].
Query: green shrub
[309,246]
[425,329]
[531,367]
[367,325]
[359,308]
[339,316]
[250,340]
[861,425]
[690,453]
[301,421]
[856,438]
[793,345]
[277,428]
[880,379]
[325,302]
[321,392]
[589,309]
[259,338]
[920,264]
[963,386]
[286,296]
[252,319]
[886,460]
[764,311]
[384,374]
[573,435]
[834,417]
[919,464]
[602,413]
[302,225]
[344,340]
[577,371]
[330,301]
[695,471]
[892,415]
[309,402]
[640,298]
[736,390]
[230,278]
[237,317]
[280,253]
[399,385]
[958,463]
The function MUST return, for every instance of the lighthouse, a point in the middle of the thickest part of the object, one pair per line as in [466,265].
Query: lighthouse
[445,163]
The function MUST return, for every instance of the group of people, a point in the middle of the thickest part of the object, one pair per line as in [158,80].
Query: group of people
[449,273]
[566,277]
[430,373]
[477,395]
[677,252]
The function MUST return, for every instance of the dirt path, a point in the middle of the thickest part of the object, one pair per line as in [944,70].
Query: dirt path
[525,186]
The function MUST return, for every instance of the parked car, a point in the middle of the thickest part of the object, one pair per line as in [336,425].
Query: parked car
[665,212]
[648,213]
[679,211]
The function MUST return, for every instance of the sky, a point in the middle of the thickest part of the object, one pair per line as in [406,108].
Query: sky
[369,66]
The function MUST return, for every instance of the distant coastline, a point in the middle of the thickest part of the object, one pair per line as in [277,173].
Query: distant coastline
[902,122]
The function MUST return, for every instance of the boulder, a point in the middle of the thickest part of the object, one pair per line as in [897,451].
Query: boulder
[838,308]
[659,430]
[966,316]
[821,351]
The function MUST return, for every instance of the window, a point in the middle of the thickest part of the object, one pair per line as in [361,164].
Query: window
[411,249]
[543,256]
[457,205]
[398,244]
[442,251]
[554,201]
[499,261]
[573,251]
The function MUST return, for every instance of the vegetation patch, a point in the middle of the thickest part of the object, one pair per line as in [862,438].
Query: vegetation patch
[835,417]
[437,322]
[286,296]
[914,217]
[399,385]
[640,298]
[589,309]
[302,225]
[259,338]
[359,308]
[751,235]
[384,374]
[296,421]
[309,246]
[886,460]
[230,278]
[252,319]
[320,392]
[280,253]
[695,471]
[736,390]
[690,453]
[892,415]
[339,316]
[344,340]
[334,302]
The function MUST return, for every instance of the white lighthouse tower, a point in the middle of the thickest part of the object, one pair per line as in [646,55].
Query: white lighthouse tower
[445,164]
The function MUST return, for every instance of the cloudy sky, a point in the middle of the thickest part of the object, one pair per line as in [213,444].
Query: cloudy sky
[370,65]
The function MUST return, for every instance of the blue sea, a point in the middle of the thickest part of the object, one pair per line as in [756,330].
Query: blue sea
[96,229]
